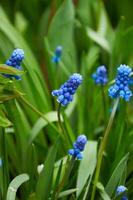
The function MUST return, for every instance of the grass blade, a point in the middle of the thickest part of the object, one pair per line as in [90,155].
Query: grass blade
[15,184]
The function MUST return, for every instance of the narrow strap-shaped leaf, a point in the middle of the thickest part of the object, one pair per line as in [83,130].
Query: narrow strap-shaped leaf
[41,123]
[45,179]
[102,192]
[87,166]
[15,184]
[4,122]
[100,40]
[116,175]
[10,70]
[67,192]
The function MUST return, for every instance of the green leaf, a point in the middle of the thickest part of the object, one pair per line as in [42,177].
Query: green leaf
[15,184]
[4,80]
[61,33]
[67,192]
[41,123]
[116,175]
[16,115]
[84,11]
[10,70]
[52,117]
[87,166]
[4,122]
[102,192]
[44,183]
[99,39]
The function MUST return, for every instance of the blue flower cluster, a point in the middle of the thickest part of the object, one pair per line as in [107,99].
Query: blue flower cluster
[121,86]
[15,61]
[122,189]
[58,52]
[100,76]
[78,147]
[68,89]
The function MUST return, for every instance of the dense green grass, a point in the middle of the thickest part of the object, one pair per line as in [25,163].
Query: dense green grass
[92,33]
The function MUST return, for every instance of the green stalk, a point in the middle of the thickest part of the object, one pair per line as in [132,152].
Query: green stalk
[62,129]
[4,164]
[104,103]
[57,73]
[65,177]
[59,120]
[102,148]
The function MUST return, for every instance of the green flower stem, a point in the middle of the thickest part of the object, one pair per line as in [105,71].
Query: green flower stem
[4,164]
[62,129]
[65,177]
[102,148]
[36,111]
[59,120]
[104,103]
[57,73]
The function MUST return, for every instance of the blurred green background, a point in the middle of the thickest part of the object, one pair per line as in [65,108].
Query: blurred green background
[92,33]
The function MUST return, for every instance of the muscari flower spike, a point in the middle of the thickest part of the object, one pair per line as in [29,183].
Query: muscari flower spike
[121,87]
[15,61]
[68,89]
[100,76]
[58,52]
[78,147]
[122,189]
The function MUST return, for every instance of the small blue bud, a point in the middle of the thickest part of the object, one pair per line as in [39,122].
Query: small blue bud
[58,52]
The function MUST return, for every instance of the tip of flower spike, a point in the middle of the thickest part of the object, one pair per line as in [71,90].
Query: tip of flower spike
[100,76]
[57,57]
[124,69]
[15,61]
[82,139]
[78,147]
[101,70]
[77,77]
[121,189]
[18,54]
[80,142]
[58,50]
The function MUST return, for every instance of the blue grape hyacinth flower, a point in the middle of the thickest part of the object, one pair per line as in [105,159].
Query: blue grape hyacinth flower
[121,87]
[68,89]
[58,52]
[78,147]
[122,189]
[15,61]
[100,76]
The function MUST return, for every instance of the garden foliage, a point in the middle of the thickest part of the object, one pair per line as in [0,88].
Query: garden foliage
[66,105]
